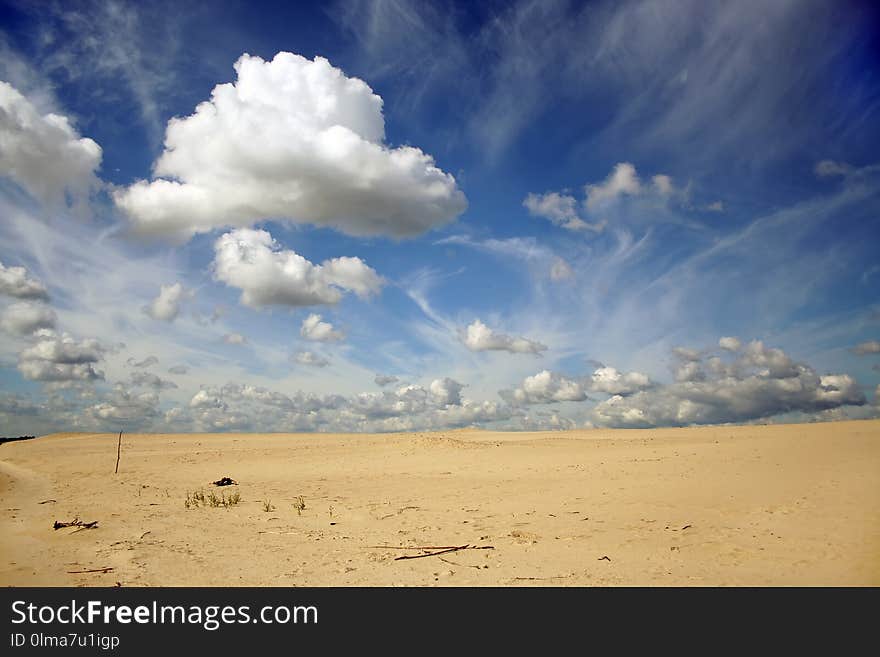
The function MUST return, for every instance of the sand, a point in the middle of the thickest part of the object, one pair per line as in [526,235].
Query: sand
[709,506]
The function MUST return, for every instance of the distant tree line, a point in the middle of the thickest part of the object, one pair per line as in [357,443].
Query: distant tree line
[4,439]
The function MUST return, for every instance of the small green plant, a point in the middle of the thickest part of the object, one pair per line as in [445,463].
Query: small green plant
[299,504]
[195,499]
[198,498]
[268,506]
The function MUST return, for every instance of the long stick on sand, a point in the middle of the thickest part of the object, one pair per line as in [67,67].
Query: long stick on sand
[118,453]
[432,554]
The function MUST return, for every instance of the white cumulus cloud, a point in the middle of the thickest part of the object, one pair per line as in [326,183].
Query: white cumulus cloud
[609,380]
[546,387]
[166,306]
[563,209]
[15,282]
[314,329]
[266,274]
[729,343]
[479,337]
[623,180]
[24,318]
[61,358]
[44,153]
[760,383]
[446,391]
[295,139]
[560,209]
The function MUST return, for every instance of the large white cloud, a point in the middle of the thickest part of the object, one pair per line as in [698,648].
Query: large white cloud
[15,282]
[479,337]
[24,318]
[61,358]
[291,139]
[64,349]
[253,262]
[760,383]
[43,153]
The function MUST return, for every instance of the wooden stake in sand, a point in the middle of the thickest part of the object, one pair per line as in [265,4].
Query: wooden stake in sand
[118,453]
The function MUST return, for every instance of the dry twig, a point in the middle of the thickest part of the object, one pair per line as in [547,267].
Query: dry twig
[76,522]
[431,554]
[440,549]
[431,547]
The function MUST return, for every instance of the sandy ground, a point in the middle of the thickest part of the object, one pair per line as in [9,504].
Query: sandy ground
[768,505]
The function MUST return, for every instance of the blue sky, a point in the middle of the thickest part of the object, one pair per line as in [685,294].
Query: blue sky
[381,216]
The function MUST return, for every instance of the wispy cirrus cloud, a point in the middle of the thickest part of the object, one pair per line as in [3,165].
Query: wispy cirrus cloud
[669,72]
[91,43]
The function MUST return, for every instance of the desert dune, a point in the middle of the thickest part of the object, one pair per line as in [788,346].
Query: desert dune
[708,506]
